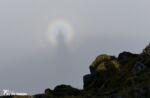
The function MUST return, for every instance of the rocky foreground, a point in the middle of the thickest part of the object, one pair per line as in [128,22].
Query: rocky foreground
[125,76]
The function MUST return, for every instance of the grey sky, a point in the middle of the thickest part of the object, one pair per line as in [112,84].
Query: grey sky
[29,63]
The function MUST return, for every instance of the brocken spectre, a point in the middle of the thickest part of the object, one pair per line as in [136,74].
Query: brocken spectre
[60,27]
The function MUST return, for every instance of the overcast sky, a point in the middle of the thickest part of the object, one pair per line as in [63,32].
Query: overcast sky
[30,62]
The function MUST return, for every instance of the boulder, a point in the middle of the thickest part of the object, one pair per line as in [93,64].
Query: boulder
[102,68]
[101,62]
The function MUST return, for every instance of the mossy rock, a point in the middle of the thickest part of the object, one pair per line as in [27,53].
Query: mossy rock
[102,62]
[102,68]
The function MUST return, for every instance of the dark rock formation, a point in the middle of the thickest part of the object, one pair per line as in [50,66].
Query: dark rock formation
[65,90]
[125,76]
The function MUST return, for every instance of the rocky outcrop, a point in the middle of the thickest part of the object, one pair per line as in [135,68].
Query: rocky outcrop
[102,68]
[125,76]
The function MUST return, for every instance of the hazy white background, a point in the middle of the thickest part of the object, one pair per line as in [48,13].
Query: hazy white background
[30,63]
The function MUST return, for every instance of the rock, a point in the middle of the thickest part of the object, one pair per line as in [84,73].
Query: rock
[87,79]
[138,67]
[146,51]
[99,60]
[47,94]
[127,61]
[124,77]
[48,91]
[102,62]
[65,90]
[126,56]
[138,93]
[102,68]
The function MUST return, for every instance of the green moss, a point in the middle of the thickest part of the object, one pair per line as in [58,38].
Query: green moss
[99,59]
[101,67]
[116,64]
